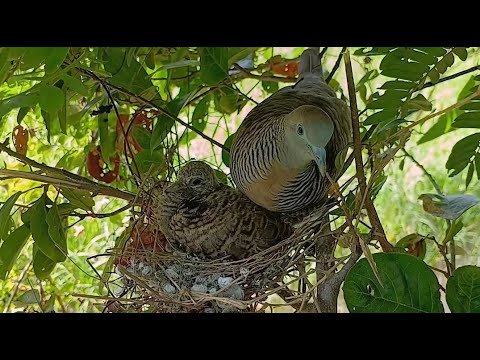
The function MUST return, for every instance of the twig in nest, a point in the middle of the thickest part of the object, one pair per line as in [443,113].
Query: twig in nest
[372,212]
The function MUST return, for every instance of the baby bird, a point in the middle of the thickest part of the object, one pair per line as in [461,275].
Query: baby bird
[212,219]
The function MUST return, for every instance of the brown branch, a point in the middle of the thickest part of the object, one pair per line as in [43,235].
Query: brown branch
[336,66]
[17,286]
[97,189]
[357,148]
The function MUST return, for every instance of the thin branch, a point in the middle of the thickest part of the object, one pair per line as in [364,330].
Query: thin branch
[17,286]
[371,211]
[450,77]
[156,107]
[427,174]
[336,66]
[100,216]
[96,189]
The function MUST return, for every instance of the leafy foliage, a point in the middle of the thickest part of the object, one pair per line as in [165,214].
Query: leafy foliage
[110,116]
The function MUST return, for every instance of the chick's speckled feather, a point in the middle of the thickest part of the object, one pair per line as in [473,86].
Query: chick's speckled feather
[259,151]
[212,219]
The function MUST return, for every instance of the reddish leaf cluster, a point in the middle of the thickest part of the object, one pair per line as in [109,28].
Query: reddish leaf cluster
[283,67]
[97,168]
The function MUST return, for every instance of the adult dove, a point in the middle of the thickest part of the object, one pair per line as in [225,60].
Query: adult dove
[287,143]
[212,219]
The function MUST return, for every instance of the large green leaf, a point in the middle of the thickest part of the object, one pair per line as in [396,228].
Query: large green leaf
[107,131]
[11,248]
[468,119]
[40,232]
[132,76]
[51,99]
[5,214]
[42,264]
[56,230]
[408,285]
[79,198]
[75,84]
[441,126]
[147,160]
[55,58]
[18,101]
[463,290]
[213,64]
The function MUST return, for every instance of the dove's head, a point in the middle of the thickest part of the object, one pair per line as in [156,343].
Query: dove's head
[308,131]
[198,177]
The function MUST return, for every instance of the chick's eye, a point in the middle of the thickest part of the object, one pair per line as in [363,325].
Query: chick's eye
[300,130]
[196,182]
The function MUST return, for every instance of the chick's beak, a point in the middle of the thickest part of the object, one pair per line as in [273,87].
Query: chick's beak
[321,159]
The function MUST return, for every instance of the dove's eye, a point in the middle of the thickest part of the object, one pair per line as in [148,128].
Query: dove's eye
[300,130]
[196,181]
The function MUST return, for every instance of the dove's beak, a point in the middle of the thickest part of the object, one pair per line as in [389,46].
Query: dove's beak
[320,156]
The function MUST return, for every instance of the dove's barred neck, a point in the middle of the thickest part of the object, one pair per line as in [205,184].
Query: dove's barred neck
[259,143]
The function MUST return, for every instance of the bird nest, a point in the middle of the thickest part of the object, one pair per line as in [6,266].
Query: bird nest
[153,275]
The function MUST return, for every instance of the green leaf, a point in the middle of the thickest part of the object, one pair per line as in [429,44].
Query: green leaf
[33,57]
[461,153]
[164,123]
[213,64]
[409,286]
[434,76]
[5,214]
[226,100]
[225,155]
[50,304]
[55,229]
[21,114]
[397,84]
[381,117]
[449,207]
[435,51]
[470,170]
[467,120]
[473,105]
[42,264]
[463,290]
[75,84]
[146,159]
[79,198]
[142,136]
[385,101]
[30,297]
[414,243]
[270,86]
[461,52]
[11,248]
[18,101]
[55,58]
[51,99]
[419,102]
[477,164]
[132,77]
[40,232]
[441,126]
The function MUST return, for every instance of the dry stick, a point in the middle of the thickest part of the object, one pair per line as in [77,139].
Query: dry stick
[357,148]
[74,181]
